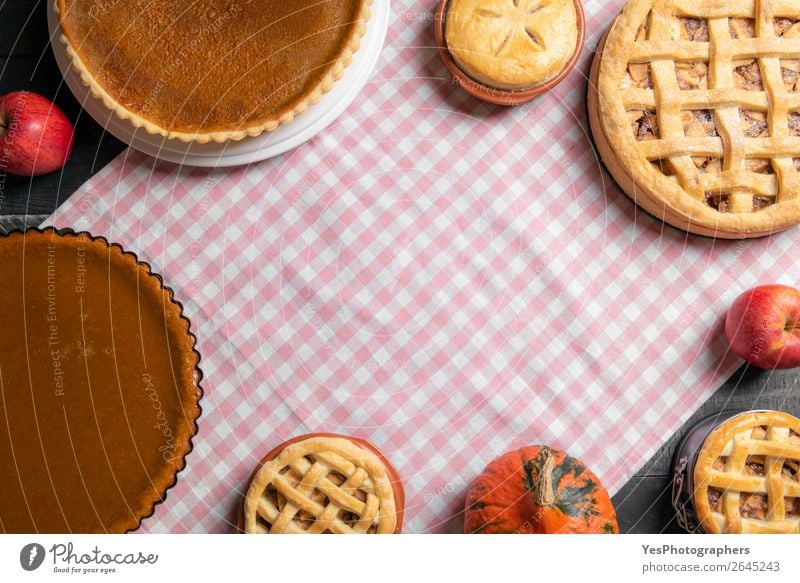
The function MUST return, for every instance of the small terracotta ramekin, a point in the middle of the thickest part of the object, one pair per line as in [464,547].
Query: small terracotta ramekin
[394,477]
[493,94]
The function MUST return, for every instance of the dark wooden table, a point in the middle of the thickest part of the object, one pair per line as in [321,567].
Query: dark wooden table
[27,63]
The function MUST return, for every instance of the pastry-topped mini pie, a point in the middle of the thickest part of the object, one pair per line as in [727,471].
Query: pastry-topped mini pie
[209,69]
[747,475]
[323,483]
[100,386]
[512,44]
[695,110]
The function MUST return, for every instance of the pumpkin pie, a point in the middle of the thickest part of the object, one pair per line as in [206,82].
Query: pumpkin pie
[695,111]
[211,69]
[747,475]
[99,386]
[324,484]
[512,44]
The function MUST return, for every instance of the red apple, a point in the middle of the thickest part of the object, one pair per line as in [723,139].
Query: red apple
[763,326]
[35,136]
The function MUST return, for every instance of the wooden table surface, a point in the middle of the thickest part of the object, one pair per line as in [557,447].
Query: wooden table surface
[26,63]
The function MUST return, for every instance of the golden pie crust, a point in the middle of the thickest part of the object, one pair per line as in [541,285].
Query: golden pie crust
[211,70]
[695,111]
[747,476]
[512,44]
[99,386]
[323,484]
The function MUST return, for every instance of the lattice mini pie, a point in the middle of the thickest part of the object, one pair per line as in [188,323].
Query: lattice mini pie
[324,484]
[695,110]
[747,475]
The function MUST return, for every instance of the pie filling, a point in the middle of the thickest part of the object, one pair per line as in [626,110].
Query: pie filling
[794,123]
[693,29]
[212,65]
[755,505]
[99,386]
[742,27]
[747,75]
[754,125]
[791,470]
[715,499]
[719,202]
[691,75]
[644,125]
[790,68]
[638,76]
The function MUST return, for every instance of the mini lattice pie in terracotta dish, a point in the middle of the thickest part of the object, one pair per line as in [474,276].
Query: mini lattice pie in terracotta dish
[99,386]
[512,44]
[695,110]
[324,484]
[747,476]
[209,70]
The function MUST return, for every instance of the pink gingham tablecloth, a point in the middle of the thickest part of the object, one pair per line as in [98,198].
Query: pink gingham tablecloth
[445,278]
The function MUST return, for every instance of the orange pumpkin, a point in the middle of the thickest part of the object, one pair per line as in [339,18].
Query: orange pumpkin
[538,490]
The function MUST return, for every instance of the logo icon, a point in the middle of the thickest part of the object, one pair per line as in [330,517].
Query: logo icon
[31,556]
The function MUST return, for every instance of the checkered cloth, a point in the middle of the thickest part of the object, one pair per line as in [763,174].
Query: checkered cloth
[445,278]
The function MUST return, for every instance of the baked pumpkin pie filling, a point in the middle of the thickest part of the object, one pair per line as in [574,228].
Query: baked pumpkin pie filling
[211,69]
[99,386]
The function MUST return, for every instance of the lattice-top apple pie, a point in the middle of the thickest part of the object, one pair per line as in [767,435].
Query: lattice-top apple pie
[747,475]
[324,484]
[695,108]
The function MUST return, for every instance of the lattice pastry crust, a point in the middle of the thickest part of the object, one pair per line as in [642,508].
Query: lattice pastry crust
[695,108]
[321,485]
[747,475]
